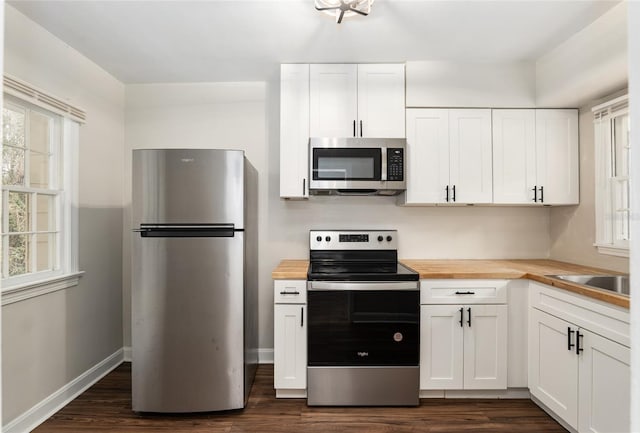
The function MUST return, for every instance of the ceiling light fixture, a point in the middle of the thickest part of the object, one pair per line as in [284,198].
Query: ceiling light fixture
[344,8]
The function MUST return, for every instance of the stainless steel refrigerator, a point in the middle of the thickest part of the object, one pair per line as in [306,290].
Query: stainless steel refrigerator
[194,280]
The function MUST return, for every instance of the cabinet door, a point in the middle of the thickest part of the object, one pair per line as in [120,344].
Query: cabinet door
[605,376]
[485,347]
[557,155]
[333,100]
[427,156]
[381,106]
[441,346]
[514,156]
[290,347]
[553,367]
[294,131]
[470,155]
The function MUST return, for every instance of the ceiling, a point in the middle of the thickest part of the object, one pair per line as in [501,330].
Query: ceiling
[241,40]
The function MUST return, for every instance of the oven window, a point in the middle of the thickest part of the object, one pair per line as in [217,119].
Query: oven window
[363,328]
[346,164]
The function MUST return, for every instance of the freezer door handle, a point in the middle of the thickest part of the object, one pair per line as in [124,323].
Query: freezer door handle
[186,230]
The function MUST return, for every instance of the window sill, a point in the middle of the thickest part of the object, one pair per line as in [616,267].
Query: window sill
[38,288]
[612,251]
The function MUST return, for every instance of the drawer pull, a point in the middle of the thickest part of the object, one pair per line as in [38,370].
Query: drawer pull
[290,293]
[469,292]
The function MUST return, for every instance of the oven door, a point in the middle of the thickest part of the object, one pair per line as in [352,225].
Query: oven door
[363,324]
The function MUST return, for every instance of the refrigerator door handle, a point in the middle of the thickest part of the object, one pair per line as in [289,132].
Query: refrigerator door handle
[186,230]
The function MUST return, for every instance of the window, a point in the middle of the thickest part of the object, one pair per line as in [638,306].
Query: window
[38,223]
[612,177]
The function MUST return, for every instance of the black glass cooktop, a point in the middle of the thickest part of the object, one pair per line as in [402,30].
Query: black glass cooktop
[350,271]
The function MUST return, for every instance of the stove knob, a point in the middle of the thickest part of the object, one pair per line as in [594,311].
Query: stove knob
[389,238]
[319,238]
[380,238]
[328,239]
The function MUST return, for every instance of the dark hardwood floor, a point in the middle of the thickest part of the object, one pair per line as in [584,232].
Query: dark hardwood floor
[106,407]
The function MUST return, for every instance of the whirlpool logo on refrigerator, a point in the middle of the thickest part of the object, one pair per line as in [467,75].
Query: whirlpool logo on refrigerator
[363,354]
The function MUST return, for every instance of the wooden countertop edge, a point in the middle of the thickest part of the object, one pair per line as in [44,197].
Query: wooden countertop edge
[297,270]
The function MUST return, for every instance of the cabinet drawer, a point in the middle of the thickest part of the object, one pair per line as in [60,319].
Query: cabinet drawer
[463,291]
[290,291]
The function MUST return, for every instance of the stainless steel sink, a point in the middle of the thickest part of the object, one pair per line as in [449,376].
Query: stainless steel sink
[612,283]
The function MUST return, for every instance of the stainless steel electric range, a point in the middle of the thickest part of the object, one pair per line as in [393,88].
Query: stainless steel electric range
[363,321]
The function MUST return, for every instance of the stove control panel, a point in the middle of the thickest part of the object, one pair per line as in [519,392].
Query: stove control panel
[353,240]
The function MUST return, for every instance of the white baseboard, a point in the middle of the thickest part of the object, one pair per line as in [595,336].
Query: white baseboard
[39,413]
[127,353]
[265,356]
[500,393]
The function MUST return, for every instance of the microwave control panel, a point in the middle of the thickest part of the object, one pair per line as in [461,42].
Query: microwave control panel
[395,164]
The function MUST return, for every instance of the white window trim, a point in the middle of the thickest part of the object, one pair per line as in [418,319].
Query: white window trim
[27,288]
[37,288]
[603,115]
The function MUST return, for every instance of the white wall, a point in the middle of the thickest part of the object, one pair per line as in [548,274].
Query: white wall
[590,64]
[573,228]
[246,116]
[459,84]
[50,340]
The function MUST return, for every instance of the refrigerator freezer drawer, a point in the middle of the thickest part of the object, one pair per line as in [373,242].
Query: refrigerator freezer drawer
[188,336]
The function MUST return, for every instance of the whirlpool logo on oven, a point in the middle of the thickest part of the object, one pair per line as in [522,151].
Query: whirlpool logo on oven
[363,354]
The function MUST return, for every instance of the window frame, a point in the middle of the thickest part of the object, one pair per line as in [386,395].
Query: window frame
[607,221]
[64,183]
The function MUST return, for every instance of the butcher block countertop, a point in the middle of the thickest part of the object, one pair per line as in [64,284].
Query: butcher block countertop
[486,269]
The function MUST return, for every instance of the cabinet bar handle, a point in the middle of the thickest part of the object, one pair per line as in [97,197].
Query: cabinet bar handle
[469,292]
[354,128]
[535,193]
[569,334]
[542,194]
[301,317]
[447,190]
[469,321]
[361,128]
[290,293]
[578,337]
[461,317]
[454,193]
[304,186]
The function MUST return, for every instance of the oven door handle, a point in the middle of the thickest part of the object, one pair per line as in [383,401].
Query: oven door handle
[365,285]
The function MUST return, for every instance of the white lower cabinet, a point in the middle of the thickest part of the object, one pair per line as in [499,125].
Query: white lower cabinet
[290,344]
[462,346]
[603,385]
[553,369]
[579,375]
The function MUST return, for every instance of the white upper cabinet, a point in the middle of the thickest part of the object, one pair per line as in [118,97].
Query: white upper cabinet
[535,156]
[357,100]
[470,155]
[381,106]
[557,156]
[448,156]
[334,100]
[514,156]
[294,131]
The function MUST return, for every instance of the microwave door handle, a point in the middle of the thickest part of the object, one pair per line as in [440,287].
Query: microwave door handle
[383,164]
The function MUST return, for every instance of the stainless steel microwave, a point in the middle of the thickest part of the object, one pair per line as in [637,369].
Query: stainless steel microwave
[357,166]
